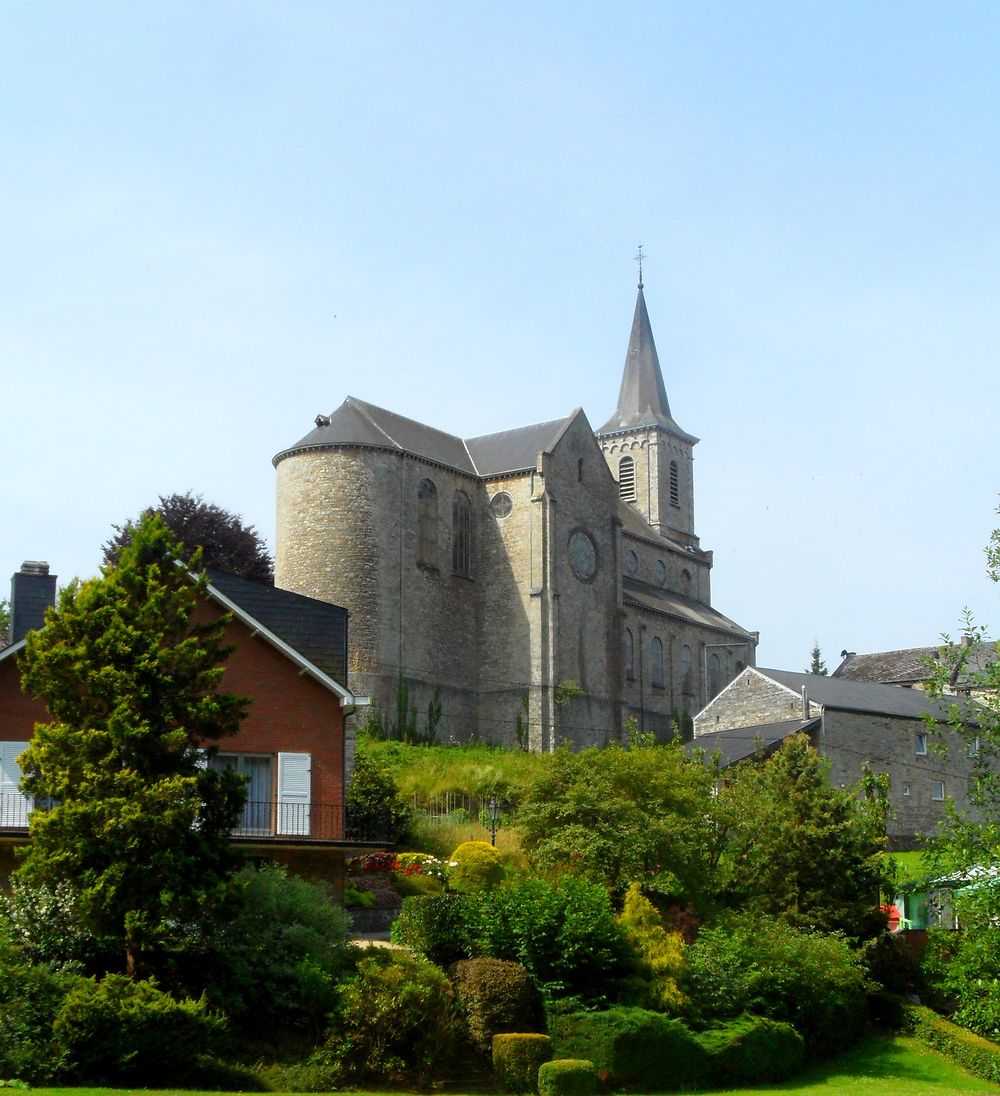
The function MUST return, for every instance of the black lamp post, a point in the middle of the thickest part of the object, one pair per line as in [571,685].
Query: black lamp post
[494,811]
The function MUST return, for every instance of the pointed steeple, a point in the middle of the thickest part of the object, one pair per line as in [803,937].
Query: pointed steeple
[642,400]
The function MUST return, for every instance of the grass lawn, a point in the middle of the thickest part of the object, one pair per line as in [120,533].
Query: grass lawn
[881,1066]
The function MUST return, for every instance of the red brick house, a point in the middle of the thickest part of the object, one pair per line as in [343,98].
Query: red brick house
[289,655]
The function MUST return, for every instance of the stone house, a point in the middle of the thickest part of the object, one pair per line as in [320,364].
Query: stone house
[911,667]
[491,572]
[289,654]
[853,724]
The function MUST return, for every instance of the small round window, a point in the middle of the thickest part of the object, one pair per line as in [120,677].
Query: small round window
[631,562]
[501,504]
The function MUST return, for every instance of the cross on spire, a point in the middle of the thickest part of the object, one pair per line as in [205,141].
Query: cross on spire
[638,259]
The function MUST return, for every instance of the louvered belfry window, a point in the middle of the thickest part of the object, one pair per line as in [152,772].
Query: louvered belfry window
[675,485]
[626,479]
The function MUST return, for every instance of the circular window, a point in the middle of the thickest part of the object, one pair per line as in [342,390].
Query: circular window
[582,554]
[501,504]
[631,562]
[660,572]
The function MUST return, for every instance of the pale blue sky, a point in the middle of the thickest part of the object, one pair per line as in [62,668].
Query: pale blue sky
[217,220]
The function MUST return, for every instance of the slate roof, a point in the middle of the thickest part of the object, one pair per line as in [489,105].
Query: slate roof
[910,665]
[633,522]
[664,601]
[642,399]
[860,696]
[356,423]
[739,743]
[317,630]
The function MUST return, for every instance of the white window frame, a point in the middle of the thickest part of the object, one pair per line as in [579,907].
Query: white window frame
[935,786]
[15,806]
[920,744]
[294,793]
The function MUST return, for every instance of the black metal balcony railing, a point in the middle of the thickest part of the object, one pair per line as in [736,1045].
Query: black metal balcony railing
[263,820]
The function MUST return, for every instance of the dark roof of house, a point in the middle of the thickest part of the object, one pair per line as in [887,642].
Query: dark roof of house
[642,399]
[645,596]
[356,423]
[912,664]
[317,630]
[861,696]
[738,743]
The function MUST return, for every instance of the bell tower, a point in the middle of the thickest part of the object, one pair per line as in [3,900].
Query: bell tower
[650,456]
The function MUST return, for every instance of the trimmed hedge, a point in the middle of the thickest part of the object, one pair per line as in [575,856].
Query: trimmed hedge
[495,996]
[751,1049]
[632,1048]
[971,1051]
[567,1077]
[517,1059]
[475,867]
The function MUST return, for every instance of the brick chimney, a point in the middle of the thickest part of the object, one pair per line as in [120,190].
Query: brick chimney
[32,591]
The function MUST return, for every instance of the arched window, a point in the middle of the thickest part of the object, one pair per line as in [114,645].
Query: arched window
[461,534]
[626,479]
[656,662]
[687,671]
[714,675]
[675,485]
[686,582]
[427,519]
[629,655]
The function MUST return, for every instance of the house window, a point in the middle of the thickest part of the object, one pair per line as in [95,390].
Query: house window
[906,790]
[626,479]
[937,791]
[714,675]
[921,744]
[427,519]
[675,485]
[629,656]
[974,746]
[656,658]
[461,535]
[13,803]
[256,770]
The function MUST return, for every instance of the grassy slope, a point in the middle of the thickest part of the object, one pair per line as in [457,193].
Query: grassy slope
[878,1067]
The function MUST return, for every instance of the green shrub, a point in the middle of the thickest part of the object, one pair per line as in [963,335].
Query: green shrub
[120,1031]
[632,1049]
[661,953]
[394,1021]
[763,966]
[475,867]
[495,996]
[971,1051]
[434,925]
[30,1000]
[567,1077]
[565,934]
[373,806]
[517,1058]
[752,1049]
[276,960]
[357,899]
[46,925]
[417,884]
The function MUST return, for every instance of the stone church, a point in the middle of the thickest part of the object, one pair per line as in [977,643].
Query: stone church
[548,576]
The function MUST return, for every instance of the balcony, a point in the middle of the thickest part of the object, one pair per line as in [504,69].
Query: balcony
[268,820]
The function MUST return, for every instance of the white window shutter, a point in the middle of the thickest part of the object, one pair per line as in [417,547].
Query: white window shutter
[294,788]
[13,803]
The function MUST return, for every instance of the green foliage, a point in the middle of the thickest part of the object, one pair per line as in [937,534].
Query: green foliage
[516,1060]
[437,926]
[394,1021]
[4,615]
[131,681]
[632,1049]
[45,926]
[495,996]
[972,1052]
[475,867]
[120,1031]
[660,953]
[565,934]
[816,663]
[357,899]
[798,848]
[659,833]
[567,1077]
[225,542]
[30,999]
[374,805]
[751,1050]
[276,958]
[762,965]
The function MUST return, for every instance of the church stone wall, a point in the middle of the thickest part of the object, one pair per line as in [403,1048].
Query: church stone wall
[750,700]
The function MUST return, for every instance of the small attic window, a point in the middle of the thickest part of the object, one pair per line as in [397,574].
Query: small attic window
[626,479]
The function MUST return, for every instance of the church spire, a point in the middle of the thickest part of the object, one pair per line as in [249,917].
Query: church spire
[642,400]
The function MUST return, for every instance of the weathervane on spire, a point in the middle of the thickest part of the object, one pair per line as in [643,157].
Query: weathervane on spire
[638,259]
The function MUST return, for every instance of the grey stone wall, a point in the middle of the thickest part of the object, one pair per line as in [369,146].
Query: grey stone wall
[750,699]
